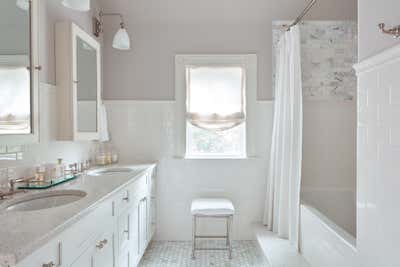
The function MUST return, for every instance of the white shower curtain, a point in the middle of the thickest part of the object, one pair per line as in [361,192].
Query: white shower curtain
[283,192]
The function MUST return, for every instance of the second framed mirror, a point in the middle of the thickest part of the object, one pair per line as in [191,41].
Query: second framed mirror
[79,83]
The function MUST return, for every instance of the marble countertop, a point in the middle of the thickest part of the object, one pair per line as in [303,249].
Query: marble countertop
[21,233]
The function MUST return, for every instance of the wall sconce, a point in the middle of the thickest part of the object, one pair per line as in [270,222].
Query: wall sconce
[121,39]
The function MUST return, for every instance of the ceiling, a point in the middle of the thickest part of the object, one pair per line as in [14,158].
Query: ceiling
[229,10]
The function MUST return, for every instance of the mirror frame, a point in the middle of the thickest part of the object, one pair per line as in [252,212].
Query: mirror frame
[78,32]
[33,137]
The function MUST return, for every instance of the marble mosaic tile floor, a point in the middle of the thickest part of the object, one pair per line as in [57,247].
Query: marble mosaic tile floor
[178,254]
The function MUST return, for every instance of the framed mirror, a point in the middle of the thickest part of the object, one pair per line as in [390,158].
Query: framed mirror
[18,72]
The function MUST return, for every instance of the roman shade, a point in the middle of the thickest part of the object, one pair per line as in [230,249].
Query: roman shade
[215,97]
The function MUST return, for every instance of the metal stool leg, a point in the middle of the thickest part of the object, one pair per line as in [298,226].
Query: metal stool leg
[194,237]
[227,231]
[228,239]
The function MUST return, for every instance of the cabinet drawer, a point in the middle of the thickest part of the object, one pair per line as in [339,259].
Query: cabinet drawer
[140,185]
[126,197]
[50,253]
[122,200]
[84,233]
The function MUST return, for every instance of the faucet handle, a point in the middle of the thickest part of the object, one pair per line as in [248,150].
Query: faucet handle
[11,184]
[73,167]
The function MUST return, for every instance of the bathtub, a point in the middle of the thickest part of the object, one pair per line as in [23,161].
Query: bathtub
[328,227]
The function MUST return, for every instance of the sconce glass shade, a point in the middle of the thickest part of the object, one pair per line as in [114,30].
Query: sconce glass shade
[23,4]
[121,40]
[80,5]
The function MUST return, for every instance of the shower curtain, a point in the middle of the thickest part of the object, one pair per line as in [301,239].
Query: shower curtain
[284,178]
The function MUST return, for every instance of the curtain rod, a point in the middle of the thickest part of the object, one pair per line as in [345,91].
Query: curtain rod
[302,14]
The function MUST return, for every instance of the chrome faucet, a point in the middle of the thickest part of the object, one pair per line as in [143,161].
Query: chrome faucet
[12,190]
[12,182]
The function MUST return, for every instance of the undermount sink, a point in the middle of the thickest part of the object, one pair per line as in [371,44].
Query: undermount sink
[45,200]
[115,170]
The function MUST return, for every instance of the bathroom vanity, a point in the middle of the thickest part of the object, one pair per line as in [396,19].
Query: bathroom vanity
[105,218]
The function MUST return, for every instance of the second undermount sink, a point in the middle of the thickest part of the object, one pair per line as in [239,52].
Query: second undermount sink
[45,200]
[114,170]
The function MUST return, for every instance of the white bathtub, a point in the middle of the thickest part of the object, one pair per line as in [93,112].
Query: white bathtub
[328,227]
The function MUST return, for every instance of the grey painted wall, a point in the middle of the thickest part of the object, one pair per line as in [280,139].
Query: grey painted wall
[161,29]
[370,14]
[52,11]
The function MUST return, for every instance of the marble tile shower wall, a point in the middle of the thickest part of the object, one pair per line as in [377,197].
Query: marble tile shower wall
[328,51]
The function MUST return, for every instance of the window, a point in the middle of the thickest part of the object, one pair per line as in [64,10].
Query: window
[216,105]
[215,111]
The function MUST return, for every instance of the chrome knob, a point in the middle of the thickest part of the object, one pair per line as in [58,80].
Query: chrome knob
[127,197]
[101,244]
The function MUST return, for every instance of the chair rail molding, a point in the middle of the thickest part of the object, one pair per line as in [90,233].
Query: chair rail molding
[388,56]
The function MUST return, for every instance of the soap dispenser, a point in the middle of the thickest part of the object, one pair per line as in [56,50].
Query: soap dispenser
[60,169]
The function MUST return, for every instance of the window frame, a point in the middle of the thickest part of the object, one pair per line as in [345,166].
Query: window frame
[249,63]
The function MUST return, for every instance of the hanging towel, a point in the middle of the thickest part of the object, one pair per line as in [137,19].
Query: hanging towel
[103,127]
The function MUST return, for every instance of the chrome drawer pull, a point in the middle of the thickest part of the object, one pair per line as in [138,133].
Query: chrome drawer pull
[50,264]
[101,244]
[127,197]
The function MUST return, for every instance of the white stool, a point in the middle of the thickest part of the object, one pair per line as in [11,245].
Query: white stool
[212,208]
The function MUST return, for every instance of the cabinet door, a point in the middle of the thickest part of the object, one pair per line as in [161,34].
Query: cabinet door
[143,225]
[124,229]
[134,236]
[128,236]
[85,260]
[124,259]
[152,202]
[152,212]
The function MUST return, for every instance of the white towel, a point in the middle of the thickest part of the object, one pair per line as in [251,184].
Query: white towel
[103,127]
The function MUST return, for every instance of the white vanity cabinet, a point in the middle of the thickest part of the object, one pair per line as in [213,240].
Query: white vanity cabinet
[78,78]
[114,234]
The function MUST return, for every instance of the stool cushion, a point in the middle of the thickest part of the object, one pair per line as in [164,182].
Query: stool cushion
[212,207]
